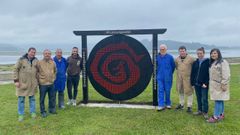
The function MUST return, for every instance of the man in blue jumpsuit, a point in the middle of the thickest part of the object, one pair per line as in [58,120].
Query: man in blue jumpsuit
[165,70]
[59,83]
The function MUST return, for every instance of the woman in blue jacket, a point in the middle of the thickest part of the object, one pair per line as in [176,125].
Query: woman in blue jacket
[165,70]
[59,83]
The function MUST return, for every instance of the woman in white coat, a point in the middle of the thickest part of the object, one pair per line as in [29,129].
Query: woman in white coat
[219,73]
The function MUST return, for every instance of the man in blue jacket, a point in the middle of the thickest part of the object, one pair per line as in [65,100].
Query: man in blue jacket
[165,70]
[59,83]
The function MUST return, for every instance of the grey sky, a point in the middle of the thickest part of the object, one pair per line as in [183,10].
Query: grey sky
[52,21]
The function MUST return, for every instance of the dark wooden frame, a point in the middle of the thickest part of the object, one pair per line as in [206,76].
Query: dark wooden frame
[84,35]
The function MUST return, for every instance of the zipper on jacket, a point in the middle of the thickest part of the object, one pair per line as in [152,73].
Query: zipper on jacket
[198,72]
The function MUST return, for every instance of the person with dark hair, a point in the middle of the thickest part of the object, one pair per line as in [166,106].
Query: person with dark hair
[184,66]
[73,75]
[46,77]
[59,83]
[218,84]
[25,79]
[200,81]
[165,70]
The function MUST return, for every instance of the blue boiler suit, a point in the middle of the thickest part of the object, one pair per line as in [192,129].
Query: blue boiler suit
[165,70]
[59,83]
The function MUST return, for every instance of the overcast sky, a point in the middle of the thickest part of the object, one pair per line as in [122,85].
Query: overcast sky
[52,21]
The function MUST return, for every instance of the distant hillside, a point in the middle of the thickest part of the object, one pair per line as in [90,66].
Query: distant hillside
[174,45]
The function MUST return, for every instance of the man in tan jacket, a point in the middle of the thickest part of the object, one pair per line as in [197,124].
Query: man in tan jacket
[184,66]
[46,77]
[25,79]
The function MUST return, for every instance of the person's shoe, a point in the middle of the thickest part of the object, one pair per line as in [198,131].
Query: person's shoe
[74,103]
[44,115]
[54,113]
[197,113]
[205,115]
[189,109]
[160,109]
[221,117]
[69,102]
[212,120]
[179,107]
[61,107]
[169,107]
[20,118]
[33,115]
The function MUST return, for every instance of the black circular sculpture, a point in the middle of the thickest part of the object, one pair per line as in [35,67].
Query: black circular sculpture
[119,67]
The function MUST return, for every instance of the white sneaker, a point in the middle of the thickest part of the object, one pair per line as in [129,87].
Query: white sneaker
[160,108]
[69,102]
[74,102]
[169,107]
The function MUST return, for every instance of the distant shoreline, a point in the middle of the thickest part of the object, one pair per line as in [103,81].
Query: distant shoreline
[231,60]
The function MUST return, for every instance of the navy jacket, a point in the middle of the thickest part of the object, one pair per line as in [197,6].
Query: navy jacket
[59,83]
[165,68]
[200,73]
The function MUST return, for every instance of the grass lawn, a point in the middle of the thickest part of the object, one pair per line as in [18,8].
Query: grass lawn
[8,67]
[91,121]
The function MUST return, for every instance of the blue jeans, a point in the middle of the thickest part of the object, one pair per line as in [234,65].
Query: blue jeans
[164,91]
[44,89]
[202,98]
[21,103]
[219,108]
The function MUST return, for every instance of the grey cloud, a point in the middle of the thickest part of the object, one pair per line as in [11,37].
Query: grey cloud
[53,21]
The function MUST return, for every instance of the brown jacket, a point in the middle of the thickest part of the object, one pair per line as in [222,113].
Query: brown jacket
[46,72]
[219,81]
[25,72]
[74,65]
[184,68]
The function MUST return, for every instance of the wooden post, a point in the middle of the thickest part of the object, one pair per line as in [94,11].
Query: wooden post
[154,80]
[84,71]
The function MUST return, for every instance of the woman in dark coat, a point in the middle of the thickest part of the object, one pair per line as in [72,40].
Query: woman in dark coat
[200,81]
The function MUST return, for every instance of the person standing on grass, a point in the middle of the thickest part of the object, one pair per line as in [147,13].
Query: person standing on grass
[218,84]
[25,79]
[73,75]
[200,81]
[59,83]
[46,76]
[184,66]
[165,70]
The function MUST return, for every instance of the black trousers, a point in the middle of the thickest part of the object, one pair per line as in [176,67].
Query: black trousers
[72,81]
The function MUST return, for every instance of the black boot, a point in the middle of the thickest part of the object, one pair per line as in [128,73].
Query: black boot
[189,110]
[179,107]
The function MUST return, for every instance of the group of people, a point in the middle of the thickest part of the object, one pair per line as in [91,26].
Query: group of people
[203,74]
[50,75]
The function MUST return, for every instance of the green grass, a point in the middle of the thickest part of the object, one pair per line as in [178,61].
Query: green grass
[113,121]
[8,67]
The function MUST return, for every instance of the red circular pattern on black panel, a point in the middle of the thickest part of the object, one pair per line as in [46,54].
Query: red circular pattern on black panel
[119,67]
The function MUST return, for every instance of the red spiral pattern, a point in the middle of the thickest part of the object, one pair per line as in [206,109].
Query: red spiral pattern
[122,81]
